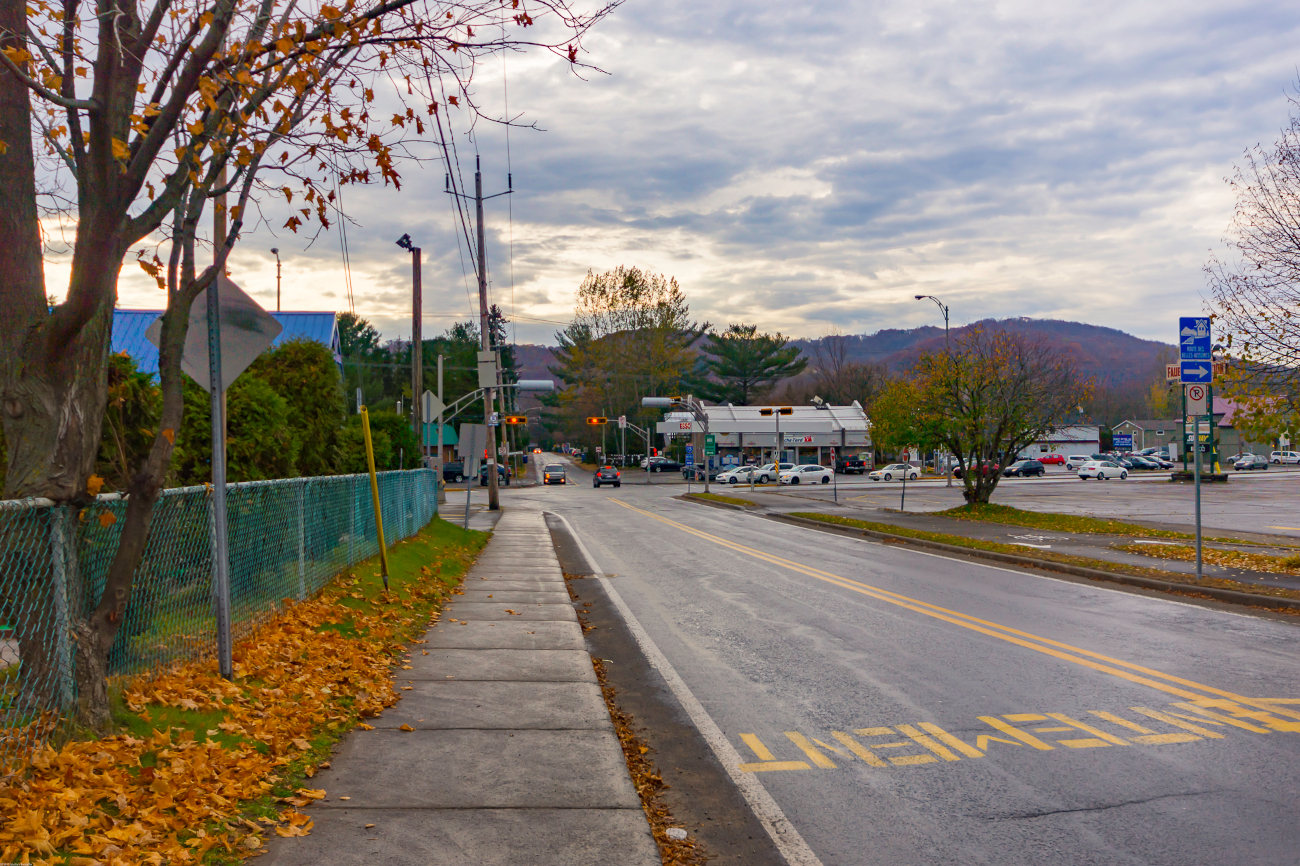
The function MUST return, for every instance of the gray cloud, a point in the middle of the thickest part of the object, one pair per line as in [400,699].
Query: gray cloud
[808,166]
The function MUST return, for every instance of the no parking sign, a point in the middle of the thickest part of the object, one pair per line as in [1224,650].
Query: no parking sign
[1196,399]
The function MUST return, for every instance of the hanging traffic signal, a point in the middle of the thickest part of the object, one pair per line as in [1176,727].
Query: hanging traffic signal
[597,421]
[516,419]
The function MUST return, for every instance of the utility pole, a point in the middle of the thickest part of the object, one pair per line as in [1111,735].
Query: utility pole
[417,337]
[485,324]
[275,251]
[437,463]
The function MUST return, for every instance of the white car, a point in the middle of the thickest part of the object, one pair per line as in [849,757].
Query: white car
[767,472]
[1074,461]
[895,470]
[1103,469]
[737,475]
[1284,457]
[811,474]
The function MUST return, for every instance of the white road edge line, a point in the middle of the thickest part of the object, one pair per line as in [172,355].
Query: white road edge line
[787,839]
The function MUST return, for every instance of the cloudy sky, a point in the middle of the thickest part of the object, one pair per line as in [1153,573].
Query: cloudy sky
[810,167]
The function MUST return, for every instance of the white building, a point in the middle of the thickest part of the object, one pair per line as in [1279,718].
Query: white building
[1067,440]
[808,434]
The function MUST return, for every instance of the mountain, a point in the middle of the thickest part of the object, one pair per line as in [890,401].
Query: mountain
[1109,356]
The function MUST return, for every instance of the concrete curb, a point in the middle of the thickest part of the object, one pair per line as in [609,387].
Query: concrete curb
[755,509]
[1227,595]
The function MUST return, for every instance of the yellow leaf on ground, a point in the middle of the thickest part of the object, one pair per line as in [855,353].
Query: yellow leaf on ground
[302,744]
[406,728]
[311,794]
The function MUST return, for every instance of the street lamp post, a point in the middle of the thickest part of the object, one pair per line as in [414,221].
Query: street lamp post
[275,251]
[417,336]
[944,308]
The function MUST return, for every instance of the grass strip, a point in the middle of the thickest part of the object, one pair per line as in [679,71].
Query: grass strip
[204,770]
[991,513]
[1214,556]
[1049,556]
[729,500]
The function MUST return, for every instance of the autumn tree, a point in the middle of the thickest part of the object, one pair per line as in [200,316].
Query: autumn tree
[835,377]
[630,338]
[991,395]
[132,120]
[1257,288]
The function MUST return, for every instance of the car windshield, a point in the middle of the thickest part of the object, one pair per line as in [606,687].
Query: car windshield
[554,468]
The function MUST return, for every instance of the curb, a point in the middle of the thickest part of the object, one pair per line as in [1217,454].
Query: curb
[1227,595]
[746,509]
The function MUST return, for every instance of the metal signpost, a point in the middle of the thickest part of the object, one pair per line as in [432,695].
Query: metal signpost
[473,439]
[227,331]
[1197,372]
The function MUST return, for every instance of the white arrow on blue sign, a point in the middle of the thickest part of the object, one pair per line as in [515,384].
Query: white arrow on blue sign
[1197,371]
[1194,340]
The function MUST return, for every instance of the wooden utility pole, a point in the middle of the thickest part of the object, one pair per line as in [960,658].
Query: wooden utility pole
[417,349]
[485,335]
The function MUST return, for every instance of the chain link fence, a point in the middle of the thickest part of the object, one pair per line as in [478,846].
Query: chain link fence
[288,538]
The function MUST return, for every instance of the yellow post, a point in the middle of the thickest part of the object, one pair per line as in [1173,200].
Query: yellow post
[374,494]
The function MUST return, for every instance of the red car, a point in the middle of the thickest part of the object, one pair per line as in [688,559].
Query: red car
[1053,459]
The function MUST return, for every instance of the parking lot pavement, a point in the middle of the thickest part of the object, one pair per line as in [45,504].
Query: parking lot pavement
[1265,503]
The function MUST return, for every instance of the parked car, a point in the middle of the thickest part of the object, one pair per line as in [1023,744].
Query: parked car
[807,474]
[1103,469]
[553,474]
[768,472]
[662,464]
[895,470]
[503,475]
[453,472]
[696,473]
[1250,461]
[850,465]
[1074,461]
[736,475]
[1052,459]
[606,475]
[986,467]
[1025,468]
[1284,457]
[1142,464]
[1162,462]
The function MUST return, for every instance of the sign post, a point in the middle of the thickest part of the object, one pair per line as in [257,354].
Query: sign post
[1197,373]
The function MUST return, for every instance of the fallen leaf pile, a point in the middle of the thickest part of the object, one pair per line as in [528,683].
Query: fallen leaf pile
[1215,556]
[174,796]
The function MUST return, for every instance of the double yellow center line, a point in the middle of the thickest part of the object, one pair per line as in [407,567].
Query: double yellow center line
[1183,688]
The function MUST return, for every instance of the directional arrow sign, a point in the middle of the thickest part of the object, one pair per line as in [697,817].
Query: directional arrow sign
[1194,339]
[1197,371]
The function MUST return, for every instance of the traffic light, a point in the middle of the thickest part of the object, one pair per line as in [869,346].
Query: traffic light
[516,419]
[597,421]
[654,452]
[783,410]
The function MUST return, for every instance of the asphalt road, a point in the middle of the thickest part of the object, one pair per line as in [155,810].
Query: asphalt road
[896,705]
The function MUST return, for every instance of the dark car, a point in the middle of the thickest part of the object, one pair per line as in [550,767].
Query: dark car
[851,465]
[663,464]
[1250,461]
[503,475]
[606,475]
[696,473]
[1025,468]
[1139,462]
[453,472]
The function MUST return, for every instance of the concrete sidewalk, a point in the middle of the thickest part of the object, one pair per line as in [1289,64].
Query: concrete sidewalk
[513,758]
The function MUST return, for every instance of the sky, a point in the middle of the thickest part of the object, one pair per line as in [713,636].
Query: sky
[811,167]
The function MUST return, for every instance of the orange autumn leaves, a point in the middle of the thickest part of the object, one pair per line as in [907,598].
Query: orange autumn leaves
[174,796]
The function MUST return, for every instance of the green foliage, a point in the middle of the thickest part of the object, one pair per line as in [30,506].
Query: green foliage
[130,422]
[352,448]
[303,372]
[897,420]
[740,362]
[259,441]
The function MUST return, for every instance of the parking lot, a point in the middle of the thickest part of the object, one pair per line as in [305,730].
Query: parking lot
[1259,502]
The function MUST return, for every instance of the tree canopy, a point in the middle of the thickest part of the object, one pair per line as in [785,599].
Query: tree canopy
[740,362]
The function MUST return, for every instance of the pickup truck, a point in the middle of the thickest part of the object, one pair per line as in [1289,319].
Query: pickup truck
[852,465]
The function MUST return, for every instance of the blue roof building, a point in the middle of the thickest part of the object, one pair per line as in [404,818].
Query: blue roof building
[129,327]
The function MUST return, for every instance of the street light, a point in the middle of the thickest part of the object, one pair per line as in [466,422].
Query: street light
[275,251]
[944,308]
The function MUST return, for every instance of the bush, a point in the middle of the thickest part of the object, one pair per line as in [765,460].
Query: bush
[304,373]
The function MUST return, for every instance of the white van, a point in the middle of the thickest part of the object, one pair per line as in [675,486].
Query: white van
[1284,457]
[1074,461]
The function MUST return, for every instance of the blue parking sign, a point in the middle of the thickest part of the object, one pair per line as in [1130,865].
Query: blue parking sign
[1194,340]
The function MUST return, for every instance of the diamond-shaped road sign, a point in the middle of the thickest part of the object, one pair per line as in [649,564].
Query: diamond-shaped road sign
[246,331]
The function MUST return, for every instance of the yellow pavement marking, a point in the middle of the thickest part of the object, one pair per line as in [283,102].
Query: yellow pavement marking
[810,750]
[856,748]
[1292,528]
[767,761]
[1011,635]
[1178,723]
